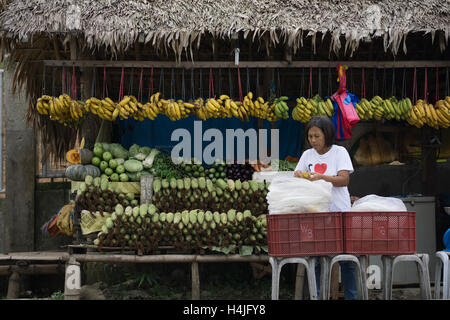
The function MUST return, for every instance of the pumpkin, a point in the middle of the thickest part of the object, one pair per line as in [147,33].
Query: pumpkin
[80,156]
[78,172]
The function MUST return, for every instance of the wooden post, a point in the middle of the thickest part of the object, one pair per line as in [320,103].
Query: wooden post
[299,280]
[14,286]
[146,188]
[195,281]
[72,283]
[334,282]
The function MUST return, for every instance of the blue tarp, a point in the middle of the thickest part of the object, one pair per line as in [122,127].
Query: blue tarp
[157,133]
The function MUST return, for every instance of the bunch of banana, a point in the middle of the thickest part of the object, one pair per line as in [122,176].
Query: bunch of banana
[303,111]
[322,108]
[443,112]
[175,109]
[62,109]
[281,108]
[102,108]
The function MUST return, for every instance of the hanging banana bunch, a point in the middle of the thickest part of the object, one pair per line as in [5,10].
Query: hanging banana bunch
[63,109]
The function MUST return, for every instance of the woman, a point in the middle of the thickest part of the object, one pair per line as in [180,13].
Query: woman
[331,163]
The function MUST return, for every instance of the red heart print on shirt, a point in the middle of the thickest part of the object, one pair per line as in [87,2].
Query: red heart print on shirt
[320,168]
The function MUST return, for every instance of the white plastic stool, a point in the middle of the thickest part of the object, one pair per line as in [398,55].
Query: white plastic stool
[327,263]
[421,260]
[278,263]
[442,262]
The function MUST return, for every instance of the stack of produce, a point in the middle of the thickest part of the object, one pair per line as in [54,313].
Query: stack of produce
[145,228]
[97,194]
[194,169]
[200,193]
[307,108]
[389,109]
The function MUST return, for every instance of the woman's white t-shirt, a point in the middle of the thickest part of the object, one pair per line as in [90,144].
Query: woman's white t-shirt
[329,163]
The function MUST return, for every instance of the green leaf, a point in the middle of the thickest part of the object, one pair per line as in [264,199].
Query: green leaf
[246,250]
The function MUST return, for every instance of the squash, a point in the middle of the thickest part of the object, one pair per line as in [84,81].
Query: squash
[78,172]
[80,156]
[73,156]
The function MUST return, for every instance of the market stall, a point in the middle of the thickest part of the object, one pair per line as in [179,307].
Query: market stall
[111,114]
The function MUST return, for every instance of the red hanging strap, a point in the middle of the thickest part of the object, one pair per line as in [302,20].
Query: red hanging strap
[74,92]
[121,85]
[414,94]
[140,85]
[310,91]
[211,84]
[425,93]
[240,85]
[437,84]
[150,85]
[105,86]
[363,84]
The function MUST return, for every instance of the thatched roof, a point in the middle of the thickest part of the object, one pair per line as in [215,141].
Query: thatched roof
[178,24]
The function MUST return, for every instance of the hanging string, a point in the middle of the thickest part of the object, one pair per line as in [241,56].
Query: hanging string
[384,90]
[172,84]
[43,80]
[330,85]
[121,84]
[363,84]
[150,85]
[63,80]
[220,80]
[425,93]
[404,83]
[192,85]
[447,82]
[374,92]
[53,81]
[105,85]
[161,82]
[257,82]
[393,91]
[130,88]
[320,82]
[201,83]
[278,83]
[310,90]
[351,79]
[414,87]
[183,86]
[139,98]
[248,81]
[437,85]
[211,85]
[74,84]
[240,85]
[94,83]
[230,83]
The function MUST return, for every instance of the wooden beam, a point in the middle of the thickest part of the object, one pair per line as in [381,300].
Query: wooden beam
[244,64]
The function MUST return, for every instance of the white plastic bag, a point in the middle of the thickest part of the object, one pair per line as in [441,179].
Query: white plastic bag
[373,202]
[294,195]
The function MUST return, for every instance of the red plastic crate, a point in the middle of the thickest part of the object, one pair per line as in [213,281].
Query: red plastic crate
[379,232]
[304,234]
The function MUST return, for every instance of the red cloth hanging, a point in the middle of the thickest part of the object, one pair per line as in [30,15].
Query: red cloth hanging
[74,93]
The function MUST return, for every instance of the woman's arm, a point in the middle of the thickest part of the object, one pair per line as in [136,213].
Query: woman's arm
[341,180]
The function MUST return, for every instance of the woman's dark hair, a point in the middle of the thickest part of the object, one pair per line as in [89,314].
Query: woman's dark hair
[326,125]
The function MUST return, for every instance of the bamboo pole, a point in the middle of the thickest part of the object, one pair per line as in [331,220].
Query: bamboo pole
[32,269]
[172,258]
[195,281]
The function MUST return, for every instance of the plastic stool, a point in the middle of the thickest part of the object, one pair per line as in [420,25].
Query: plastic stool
[442,262]
[278,263]
[327,263]
[389,263]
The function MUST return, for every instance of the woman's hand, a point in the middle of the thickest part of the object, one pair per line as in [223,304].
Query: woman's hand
[316,176]
[297,174]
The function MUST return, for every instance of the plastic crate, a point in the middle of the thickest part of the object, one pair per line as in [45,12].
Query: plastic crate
[304,234]
[379,232]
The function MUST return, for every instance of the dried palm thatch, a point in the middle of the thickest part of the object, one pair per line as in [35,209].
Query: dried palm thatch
[29,29]
[180,24]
